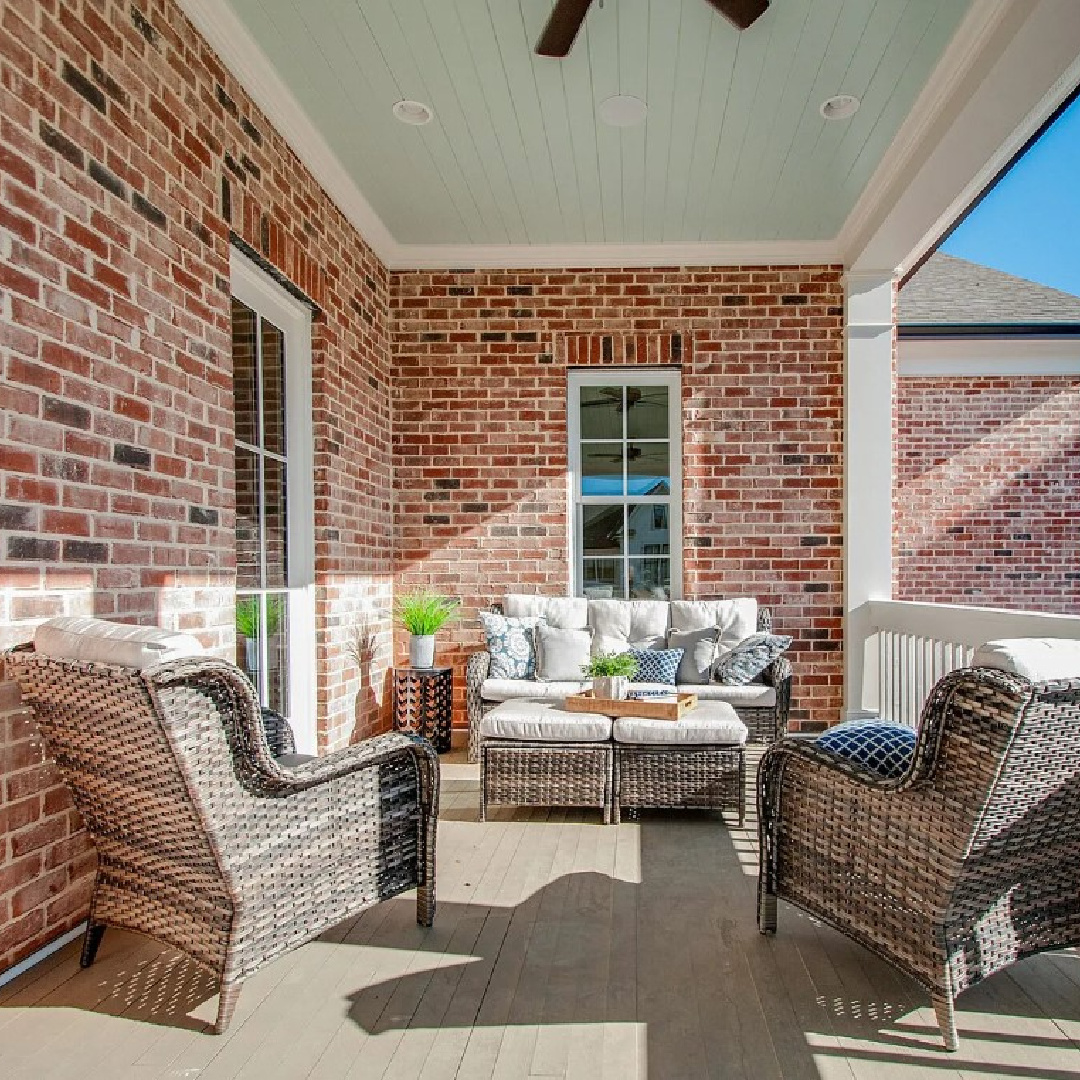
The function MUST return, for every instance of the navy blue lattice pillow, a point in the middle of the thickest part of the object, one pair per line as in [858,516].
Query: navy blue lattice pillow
[884,746]
[656,665]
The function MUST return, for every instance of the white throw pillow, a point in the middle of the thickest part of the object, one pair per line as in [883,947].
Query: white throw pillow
[102,642]
[699,653]
[560,654]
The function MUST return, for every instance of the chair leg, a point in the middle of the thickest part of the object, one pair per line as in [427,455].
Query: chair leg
[945,1011]
[91,940]
[425,904]
[766,918]
[228,996]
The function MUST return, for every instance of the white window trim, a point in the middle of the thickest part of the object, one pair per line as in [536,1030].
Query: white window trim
[254,287]
[606,376]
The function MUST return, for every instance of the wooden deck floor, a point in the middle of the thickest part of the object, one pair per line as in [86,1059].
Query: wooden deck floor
[562,948]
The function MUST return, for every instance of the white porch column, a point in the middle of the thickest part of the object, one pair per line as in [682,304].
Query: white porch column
[869,378]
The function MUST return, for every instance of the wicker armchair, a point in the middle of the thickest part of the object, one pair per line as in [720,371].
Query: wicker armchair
[204,841]
[955,870]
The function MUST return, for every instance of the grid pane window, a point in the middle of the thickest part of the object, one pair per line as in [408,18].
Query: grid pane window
[625,455]
[262,539]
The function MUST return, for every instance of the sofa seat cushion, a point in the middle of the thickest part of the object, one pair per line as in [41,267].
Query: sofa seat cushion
[1037,659]
[620,625]
[562,612]
[711,723]
[102,642]
[513,689]
[543,721]
[748,696]
[736,618]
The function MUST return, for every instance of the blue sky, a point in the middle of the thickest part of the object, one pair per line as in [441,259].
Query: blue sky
[1029,225]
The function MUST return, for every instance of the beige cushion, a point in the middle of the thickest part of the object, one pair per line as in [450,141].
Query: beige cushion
[737,617]
[102,642]
[619,625]
[565,612]
[543,721]
[560,654]
[699,653]
[749,695]
[711,722]
[512,689]
[1037,659]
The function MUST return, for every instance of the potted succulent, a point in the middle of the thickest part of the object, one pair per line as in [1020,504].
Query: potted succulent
[611,674]
[423,613]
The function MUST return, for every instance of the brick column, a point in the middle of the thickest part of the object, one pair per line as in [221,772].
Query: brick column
[46,859]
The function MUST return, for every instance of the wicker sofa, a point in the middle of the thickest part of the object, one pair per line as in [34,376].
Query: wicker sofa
[762,705]
[205,842]
[967,862]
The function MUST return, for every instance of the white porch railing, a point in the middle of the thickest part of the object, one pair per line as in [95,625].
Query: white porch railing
[909,646]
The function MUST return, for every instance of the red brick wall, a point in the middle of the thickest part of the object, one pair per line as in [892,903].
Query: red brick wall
[988,470]
[127,153]
[480,360]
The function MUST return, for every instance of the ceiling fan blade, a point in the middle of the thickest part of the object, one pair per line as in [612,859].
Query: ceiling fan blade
[741,13]
[562,27]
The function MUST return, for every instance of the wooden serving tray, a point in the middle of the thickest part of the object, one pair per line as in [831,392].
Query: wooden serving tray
[586,701]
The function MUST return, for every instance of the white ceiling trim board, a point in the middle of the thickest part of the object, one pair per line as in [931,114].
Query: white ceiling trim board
[956,357]
[230,39]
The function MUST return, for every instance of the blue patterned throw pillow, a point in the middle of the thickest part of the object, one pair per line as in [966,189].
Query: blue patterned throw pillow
[656,665]
[510,643]
[749,658]
[882,745]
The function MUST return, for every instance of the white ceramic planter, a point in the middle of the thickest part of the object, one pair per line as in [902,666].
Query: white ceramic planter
[613,687]
[422,651]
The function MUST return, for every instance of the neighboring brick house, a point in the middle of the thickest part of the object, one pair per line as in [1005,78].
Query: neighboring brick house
[988,440]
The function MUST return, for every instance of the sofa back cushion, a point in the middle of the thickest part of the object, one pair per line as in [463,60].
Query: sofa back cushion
[103,642]
[737,617]
[562,612]
[1037,659]
[560,653]
[620,625]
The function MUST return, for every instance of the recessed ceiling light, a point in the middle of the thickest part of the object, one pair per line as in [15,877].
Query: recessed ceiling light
[840,107]
[413,112]
[622,111]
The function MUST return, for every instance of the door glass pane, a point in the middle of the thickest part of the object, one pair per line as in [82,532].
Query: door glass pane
[277,570]
[647,412]
[601,468]
[245,374]
[277,664]
[601,412]
[650,578]
[648,529]
[603,578]
[648,469]
[602,530]
[273,388]
[248,561]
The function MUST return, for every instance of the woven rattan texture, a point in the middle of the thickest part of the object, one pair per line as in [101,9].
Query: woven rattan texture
[956,869]
[205,842]
[548,774]
[672,777]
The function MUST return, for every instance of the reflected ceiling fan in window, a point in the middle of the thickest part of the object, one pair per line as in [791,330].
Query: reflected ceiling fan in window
[612,396]
[568,15]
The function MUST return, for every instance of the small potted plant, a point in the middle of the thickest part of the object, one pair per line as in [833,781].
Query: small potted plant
[610,674]
[423,613]
[249,626]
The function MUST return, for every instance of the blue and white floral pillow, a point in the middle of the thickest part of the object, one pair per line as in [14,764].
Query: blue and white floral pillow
[749,658]
[510,643]
[656,665]
[884,746]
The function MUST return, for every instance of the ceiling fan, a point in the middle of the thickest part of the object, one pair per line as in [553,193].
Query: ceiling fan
[612,395]
[568,15]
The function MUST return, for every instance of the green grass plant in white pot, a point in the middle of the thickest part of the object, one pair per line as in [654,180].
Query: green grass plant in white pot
[611,674]
[423,613]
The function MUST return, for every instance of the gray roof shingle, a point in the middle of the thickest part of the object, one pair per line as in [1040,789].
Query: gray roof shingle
[947,291]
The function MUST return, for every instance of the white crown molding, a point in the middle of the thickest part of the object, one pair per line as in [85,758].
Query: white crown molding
[557,256]
[988,356]
[230,39]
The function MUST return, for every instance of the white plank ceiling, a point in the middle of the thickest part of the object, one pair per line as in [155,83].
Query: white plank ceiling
[733,149]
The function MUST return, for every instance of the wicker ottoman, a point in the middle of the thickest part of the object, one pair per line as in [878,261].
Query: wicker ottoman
[696,762]
[533,753]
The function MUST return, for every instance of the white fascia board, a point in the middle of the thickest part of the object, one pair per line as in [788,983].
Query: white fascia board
[967,357]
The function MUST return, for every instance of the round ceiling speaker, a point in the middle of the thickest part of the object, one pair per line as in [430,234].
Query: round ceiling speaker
[839,107]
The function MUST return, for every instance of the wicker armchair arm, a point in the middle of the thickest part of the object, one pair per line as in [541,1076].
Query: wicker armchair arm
[778,672]
[476,671]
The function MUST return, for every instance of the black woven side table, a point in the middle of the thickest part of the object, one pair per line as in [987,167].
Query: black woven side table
[424,703]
